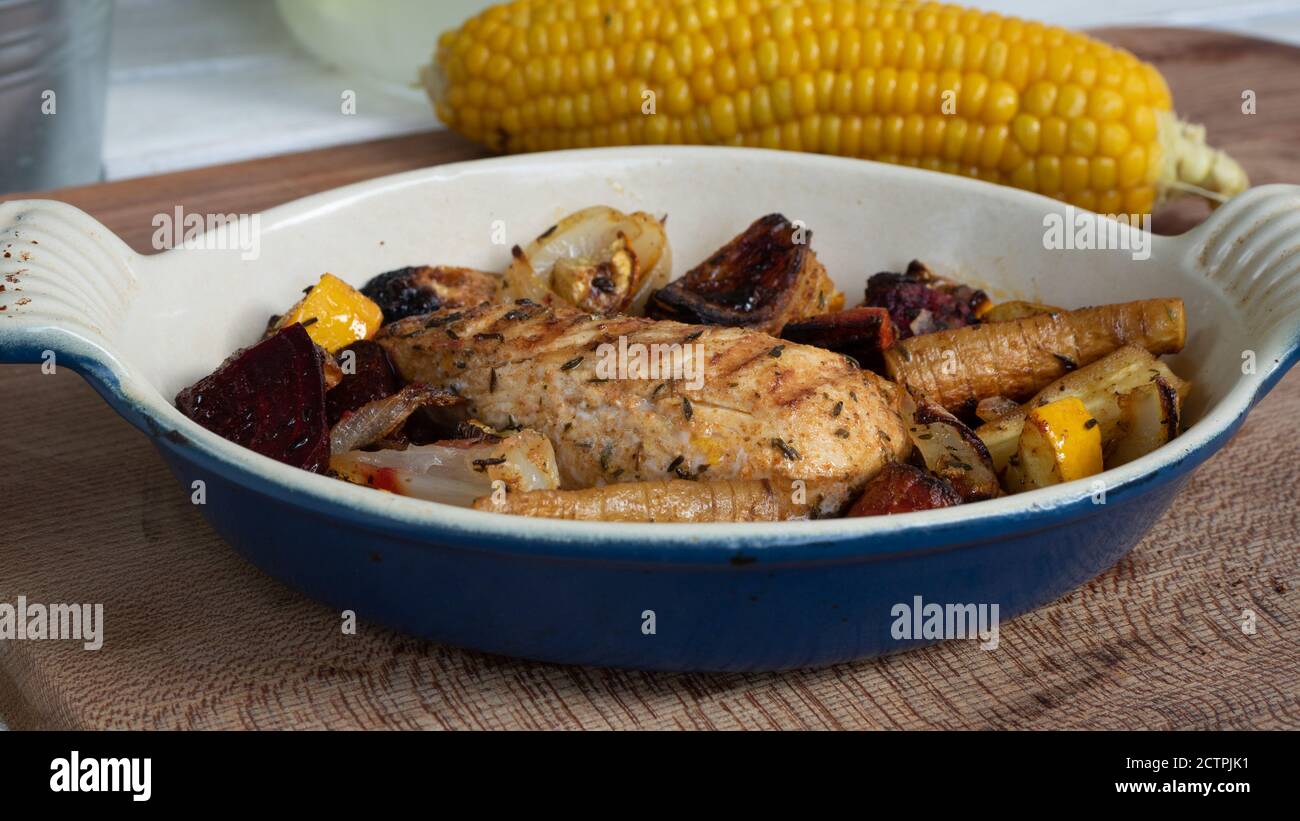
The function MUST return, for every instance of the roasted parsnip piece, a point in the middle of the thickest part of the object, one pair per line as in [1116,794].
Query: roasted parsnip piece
[1060,442]
[1017,309]
[959,367]
[680,500]
[1096,385]
[1148,418]
[995,407]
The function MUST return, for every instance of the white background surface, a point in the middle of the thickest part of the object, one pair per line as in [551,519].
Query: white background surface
[201,82]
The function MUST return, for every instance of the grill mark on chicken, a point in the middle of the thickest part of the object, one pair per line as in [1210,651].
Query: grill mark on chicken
[632,429]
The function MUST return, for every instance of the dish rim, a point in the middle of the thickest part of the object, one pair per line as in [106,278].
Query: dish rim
[146,407]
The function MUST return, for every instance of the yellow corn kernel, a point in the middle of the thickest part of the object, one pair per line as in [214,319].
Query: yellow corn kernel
[335,314]
[930,85]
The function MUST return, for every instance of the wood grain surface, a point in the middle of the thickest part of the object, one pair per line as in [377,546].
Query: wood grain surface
[197,638]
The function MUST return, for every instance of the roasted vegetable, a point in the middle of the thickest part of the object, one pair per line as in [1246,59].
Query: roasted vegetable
[1016,359]
[920,302]
[1060,442]
[366,375]
[456,472]
[763,279]
[1097,385]
[952,451]
[679,500]
[599,260]
[335,314]
[995,408]
[269,398]
[1148,418]
[383,417]
[934,86]
[862,333]
[424,289]
[1017,309]
[903,488]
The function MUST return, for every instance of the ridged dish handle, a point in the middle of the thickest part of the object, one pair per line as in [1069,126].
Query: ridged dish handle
[1250,247]
[67,284]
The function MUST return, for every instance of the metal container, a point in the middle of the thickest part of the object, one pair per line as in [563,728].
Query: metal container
[53,82]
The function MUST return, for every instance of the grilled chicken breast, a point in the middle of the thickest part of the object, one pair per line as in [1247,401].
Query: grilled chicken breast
[744,405]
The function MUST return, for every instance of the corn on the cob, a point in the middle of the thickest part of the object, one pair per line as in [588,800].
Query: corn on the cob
[934,86]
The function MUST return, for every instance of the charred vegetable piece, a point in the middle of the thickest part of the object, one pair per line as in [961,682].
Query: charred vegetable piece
[903,488]
[424,289]
[1148,418]
[920,302]
[269,398]
[1016,359]
[952,451]
[765,278]
[371,377]
[862,333]
[335,314]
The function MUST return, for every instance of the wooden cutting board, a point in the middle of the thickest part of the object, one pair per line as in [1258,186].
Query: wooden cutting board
[197,638]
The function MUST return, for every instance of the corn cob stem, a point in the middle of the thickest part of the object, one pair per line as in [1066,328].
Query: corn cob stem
[1192,167]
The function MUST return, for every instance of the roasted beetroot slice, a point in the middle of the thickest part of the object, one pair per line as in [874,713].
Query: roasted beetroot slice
[902,488]
[762,279]
[373,378]
[920,302]
[269,398]
[861,333]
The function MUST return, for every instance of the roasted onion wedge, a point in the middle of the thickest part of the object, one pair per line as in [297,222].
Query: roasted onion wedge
[456,472]
[381,418]
[599,260]
[951,450]
[765,278]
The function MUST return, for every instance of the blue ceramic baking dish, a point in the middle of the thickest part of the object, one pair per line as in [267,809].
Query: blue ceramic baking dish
[723,597]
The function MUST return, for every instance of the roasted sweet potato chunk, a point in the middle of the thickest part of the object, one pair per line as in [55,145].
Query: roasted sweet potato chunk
[902,488]
[269,398]
[765,278]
